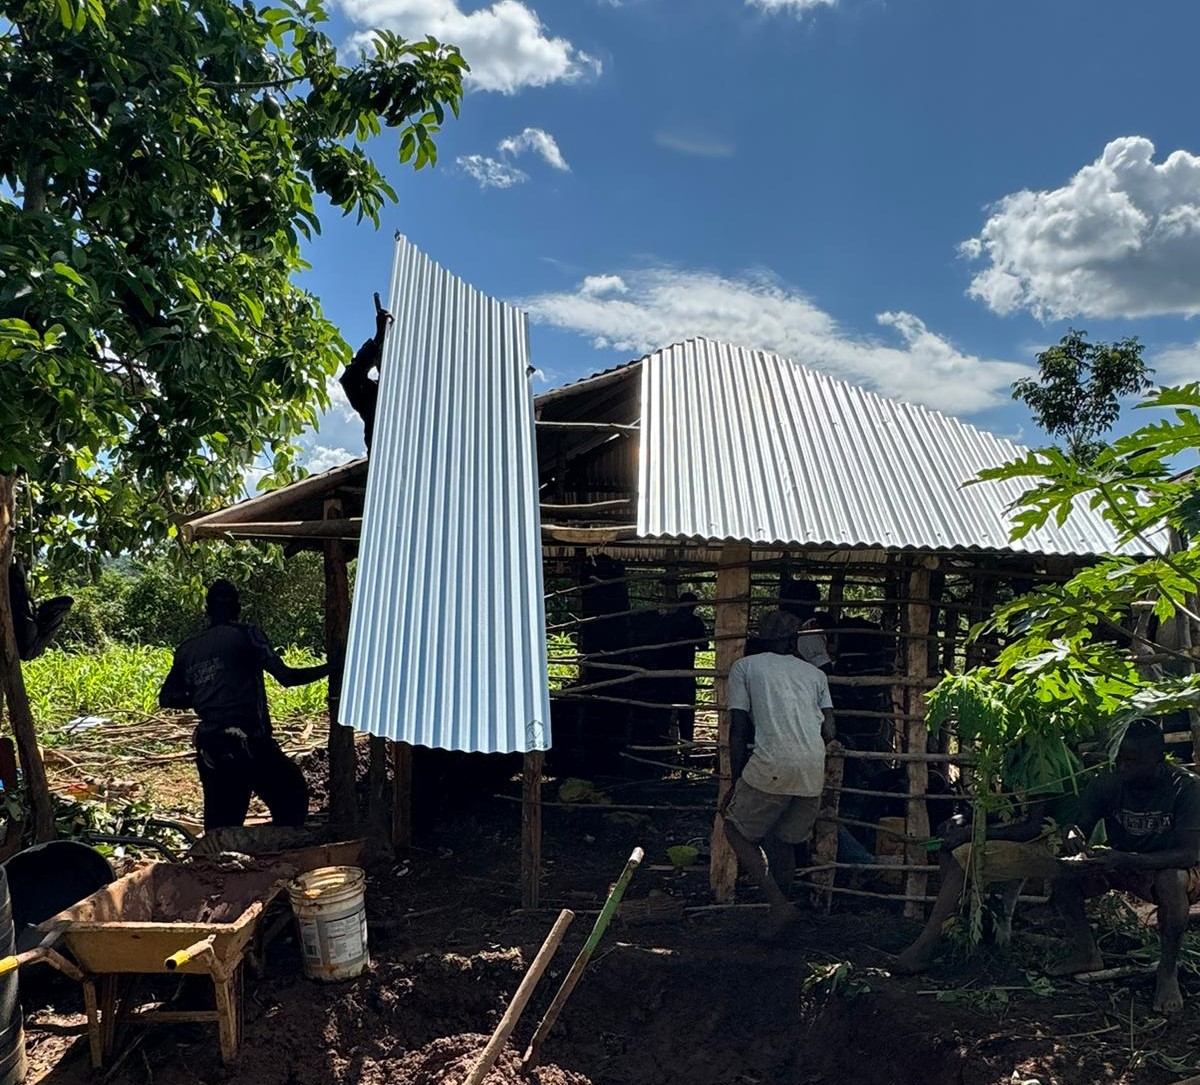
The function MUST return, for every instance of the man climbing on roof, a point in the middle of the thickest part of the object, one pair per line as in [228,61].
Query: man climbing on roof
[362,390]
[219,675]
[781,705]
[1151,813]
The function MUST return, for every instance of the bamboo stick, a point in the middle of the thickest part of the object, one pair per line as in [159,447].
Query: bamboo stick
[533,1051]
[512,1015]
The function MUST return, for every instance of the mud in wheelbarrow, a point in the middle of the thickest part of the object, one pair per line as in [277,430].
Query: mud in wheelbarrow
[165,918]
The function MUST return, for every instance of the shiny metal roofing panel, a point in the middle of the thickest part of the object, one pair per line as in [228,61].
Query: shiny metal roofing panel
[744,444]
[447,632]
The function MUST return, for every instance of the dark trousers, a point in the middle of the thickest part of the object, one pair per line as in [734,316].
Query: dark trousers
[233,768]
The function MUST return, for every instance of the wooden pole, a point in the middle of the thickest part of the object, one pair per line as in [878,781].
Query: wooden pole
[732,622]
[342,806]
[531,829]
[512,1015]
[825,846]
[915,619]
[377,789]
[402,758]
[12,681]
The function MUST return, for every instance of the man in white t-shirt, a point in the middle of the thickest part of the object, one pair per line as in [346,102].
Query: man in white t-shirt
[781,704]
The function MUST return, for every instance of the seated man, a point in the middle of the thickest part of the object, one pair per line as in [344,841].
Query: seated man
[1151,812]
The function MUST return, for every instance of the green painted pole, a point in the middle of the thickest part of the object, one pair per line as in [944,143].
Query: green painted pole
[533,1051]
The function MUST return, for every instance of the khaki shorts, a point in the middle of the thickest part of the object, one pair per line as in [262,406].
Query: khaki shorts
[1011,861]
[756,814]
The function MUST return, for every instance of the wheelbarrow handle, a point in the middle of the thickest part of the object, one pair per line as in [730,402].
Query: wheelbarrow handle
[39,952]
[44,952]
[203,948]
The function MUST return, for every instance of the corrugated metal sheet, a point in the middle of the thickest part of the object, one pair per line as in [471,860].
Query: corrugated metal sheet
[744,444]
[447,635]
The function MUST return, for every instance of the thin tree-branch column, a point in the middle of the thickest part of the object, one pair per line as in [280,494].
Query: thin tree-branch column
[16,698]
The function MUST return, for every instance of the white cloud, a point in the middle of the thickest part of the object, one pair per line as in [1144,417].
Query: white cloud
[795,7]
[701,146]
[506,44]
[596,285]
[322,458]
[539,142]
[490,172]
[499,173]
[644,310]
[1179,364]
[1120,239]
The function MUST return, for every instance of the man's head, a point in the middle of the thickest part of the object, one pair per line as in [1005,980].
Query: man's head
[777,630]
[687,602]
[1142,752]
[222,603]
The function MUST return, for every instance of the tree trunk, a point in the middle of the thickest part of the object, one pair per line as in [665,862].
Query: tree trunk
[13,681]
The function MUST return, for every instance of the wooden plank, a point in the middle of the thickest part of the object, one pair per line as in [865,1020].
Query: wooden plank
[342,805]
[732,621]
[402,754]
[915,618]
[267,506]
[531,829]
[329,528]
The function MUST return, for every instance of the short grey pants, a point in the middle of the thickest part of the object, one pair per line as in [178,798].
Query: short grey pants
[756,814]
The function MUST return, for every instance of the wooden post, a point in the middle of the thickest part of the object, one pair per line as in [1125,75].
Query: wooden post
[825,846]
[12,681]
[915,622]
[402,759]
[377,789]
[342,805]
[531,829]
[732,622]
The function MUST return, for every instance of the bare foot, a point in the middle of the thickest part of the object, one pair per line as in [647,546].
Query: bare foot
[778,920]
[1167,997]
[1077,963]
[910,963]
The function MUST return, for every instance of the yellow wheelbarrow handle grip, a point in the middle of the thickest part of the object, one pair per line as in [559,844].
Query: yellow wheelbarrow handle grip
[9,964]
[193,952]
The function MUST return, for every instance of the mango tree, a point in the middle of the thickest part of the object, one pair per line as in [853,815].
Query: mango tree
[160,164]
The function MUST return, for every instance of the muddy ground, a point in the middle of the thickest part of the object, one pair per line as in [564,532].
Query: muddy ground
[691,1000]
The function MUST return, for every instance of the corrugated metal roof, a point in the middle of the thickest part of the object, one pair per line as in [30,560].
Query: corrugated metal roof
[744,444]
[447,634]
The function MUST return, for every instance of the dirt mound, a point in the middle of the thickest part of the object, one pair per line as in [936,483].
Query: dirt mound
[448,1061]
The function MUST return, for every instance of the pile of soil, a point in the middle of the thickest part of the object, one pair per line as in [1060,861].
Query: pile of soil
[448,1061]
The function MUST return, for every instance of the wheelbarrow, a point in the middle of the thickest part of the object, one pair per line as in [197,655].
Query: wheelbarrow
[163,918]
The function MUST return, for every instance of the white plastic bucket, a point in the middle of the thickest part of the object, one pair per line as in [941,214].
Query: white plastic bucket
[331,918]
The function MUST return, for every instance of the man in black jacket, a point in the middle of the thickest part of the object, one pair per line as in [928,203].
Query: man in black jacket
[219,675]
[362,390]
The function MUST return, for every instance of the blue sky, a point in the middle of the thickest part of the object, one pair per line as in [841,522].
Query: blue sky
[915,195]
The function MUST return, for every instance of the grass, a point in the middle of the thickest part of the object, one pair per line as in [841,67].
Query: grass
[121,682]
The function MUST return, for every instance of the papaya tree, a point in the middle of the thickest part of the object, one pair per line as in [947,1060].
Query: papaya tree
[160,168]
